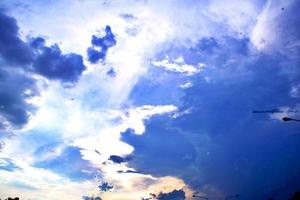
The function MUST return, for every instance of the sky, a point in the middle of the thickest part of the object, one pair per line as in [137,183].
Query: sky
[149,99]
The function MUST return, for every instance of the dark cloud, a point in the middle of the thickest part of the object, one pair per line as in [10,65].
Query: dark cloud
[16,83]
[159,148]
[94,55]
[37,42]
[10,198]
[148,89]
[52,64]
[15,88]
[35,55]
[118,159]
[207,45]
[221,142]
[129,171]
[174,195]
[100,46]
[14,109]
[12,49]
[90,198]
[111,72]
[104,187]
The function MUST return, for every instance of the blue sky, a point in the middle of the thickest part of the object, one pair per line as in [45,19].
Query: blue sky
[125,100]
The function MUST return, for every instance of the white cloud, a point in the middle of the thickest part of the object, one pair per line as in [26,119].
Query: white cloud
[179,66]
[186,85]
[270,33]
[295,91]
[44,184]
[239,16]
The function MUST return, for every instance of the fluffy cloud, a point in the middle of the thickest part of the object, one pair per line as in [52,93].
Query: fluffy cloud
[12,49]
[16,88]
[174,195]
[104,43]
[19,60]
[52,64]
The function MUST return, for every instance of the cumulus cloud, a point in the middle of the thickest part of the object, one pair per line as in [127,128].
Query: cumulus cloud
[51,63]
[174,195]
[104,43]
[19,62]
[220,128]
[46,61]
[16,88]
[12,49]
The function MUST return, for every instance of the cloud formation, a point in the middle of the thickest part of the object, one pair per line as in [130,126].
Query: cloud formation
[174,195]
[12,49]
[104,43]
[19,61]
[69,164]
[220,126]
[51,63]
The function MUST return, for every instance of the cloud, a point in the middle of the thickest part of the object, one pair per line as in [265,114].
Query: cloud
[46,61]
[52,64]
[220,138]
[284,22]
[104,187]
[21,185]
[295,91]
[104,43]
[30,181]
[128,17]
[174,195]
[69,164]
[159,148]
[16,88]
[186,85]
[12,49]
[211,135]
[111,72]
[20,61]
[90,198]
[8,165]
[179,66]
[119,159]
